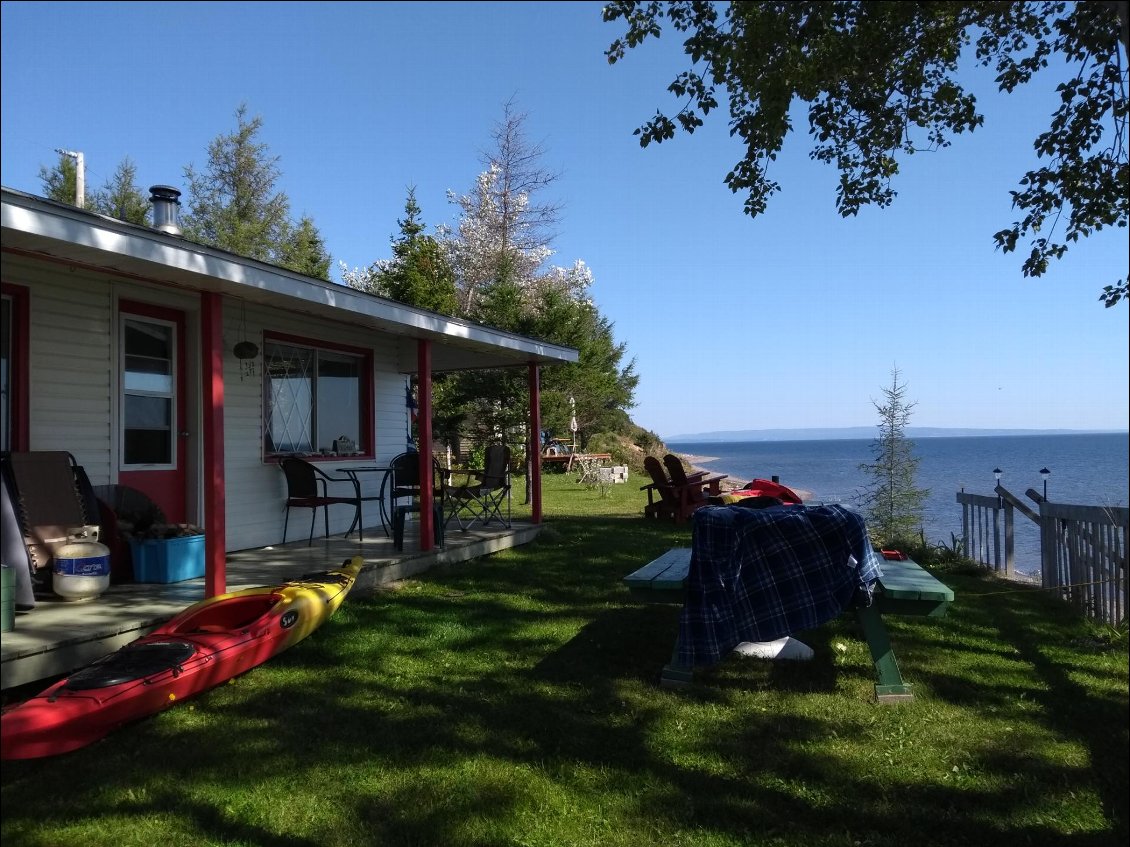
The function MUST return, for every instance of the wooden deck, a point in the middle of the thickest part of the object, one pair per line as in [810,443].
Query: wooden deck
[59,636]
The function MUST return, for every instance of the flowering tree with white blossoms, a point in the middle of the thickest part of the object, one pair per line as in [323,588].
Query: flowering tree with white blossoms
[491,234]
[500,252]
[501,234]
[497,260]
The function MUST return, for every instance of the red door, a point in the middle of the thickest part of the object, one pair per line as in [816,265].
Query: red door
[151,409]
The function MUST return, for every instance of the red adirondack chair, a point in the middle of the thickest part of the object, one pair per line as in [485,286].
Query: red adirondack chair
[665,499]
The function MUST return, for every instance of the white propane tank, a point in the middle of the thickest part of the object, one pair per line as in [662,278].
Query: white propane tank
[82,570]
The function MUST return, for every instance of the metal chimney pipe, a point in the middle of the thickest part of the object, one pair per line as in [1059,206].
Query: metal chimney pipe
[165,205]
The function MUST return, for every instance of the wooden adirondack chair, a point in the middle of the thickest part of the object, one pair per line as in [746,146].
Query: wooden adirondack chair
[707,483]
[677,502]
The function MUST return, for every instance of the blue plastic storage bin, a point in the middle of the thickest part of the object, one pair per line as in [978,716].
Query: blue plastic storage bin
[167,559]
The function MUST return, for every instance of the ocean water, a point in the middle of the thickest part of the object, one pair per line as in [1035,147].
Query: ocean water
[1088,470]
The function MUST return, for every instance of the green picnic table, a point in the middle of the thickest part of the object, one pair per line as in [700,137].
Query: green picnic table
[904,589]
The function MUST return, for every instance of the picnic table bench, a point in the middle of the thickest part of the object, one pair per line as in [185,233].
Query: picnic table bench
[904,589]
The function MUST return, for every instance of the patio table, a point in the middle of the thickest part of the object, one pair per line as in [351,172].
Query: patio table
[353,474]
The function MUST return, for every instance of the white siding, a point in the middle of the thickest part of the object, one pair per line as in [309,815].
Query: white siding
[69,368]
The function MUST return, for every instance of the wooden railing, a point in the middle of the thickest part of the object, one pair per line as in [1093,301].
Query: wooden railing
[981,528]
[1082,548]
[1083,553]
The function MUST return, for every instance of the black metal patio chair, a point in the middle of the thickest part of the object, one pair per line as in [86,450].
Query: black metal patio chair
[307,487]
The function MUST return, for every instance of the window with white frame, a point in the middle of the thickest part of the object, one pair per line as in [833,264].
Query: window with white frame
[315,398]
[148,392]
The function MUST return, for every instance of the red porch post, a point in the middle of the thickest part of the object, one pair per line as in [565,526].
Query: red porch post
[535,443]
[212,464]
[424,421]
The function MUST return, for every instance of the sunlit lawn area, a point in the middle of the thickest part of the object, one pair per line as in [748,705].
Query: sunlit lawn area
[513,701]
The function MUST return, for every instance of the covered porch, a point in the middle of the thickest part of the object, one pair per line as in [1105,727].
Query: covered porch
[59,636]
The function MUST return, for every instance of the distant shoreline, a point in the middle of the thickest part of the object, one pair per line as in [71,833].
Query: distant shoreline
[863,433]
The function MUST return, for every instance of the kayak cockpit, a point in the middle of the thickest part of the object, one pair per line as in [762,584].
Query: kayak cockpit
[230,615]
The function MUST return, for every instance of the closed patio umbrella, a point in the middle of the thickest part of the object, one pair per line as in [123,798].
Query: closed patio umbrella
[573,421]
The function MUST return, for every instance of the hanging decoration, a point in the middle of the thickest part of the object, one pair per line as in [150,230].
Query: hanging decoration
[246,351]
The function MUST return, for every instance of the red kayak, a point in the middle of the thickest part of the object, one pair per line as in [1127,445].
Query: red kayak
[767,488]
[205,645]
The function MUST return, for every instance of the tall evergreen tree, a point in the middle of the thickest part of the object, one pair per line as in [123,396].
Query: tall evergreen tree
[60,183]
[233,204]
[302,249]
[892,501]
[491,268]
[500,253]
[506,223]
[121,198]
[418,273]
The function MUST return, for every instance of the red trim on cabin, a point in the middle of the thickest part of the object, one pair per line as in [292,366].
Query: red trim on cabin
[212,466]
[19,375]
[424,423]
[366,402]
[169,488]
[534,463]
[306,341]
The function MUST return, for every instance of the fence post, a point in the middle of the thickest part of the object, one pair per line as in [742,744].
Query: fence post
[1047,550]
[965,530]
[1009,548]
[997,539]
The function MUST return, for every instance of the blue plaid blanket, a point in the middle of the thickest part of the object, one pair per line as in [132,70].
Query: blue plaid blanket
[762,574]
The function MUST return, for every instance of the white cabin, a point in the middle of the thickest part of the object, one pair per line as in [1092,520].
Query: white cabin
[120,343]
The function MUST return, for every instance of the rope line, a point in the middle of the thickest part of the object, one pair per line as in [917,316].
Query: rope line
[1042,588]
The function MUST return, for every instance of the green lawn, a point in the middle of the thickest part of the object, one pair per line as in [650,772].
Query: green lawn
[513,701]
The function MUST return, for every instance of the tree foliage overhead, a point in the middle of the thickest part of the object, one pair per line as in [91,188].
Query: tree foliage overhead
[879,81]
[233,204]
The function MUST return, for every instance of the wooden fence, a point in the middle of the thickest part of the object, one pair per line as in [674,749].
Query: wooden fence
[1082,548]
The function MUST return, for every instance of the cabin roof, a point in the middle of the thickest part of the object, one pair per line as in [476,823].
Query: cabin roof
[57,232]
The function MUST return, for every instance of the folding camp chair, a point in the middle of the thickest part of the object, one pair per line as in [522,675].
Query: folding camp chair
[481,498]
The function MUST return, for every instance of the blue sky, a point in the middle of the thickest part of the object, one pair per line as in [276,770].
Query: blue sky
[791,320]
